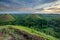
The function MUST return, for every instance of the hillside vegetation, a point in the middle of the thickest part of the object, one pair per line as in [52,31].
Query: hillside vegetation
[46,24]
[11,32]
[6,18]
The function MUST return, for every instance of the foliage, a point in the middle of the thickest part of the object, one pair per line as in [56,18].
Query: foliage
[44,23]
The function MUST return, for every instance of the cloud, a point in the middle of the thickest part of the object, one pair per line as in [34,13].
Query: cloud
[26,5]
[53,7]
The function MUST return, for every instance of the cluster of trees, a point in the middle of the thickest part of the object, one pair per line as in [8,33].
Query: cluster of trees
[50,27]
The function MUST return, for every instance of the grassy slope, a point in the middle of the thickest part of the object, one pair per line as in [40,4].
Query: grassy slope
[31,31]
[34,32]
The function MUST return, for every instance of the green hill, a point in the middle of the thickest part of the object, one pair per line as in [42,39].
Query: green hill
[33,16]
[44,24]
[47,23]
[11,32]
[6,18]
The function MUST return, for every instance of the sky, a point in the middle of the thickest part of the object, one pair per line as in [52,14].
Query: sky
[29,6]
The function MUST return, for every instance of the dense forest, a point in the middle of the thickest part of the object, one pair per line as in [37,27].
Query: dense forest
[47,23]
